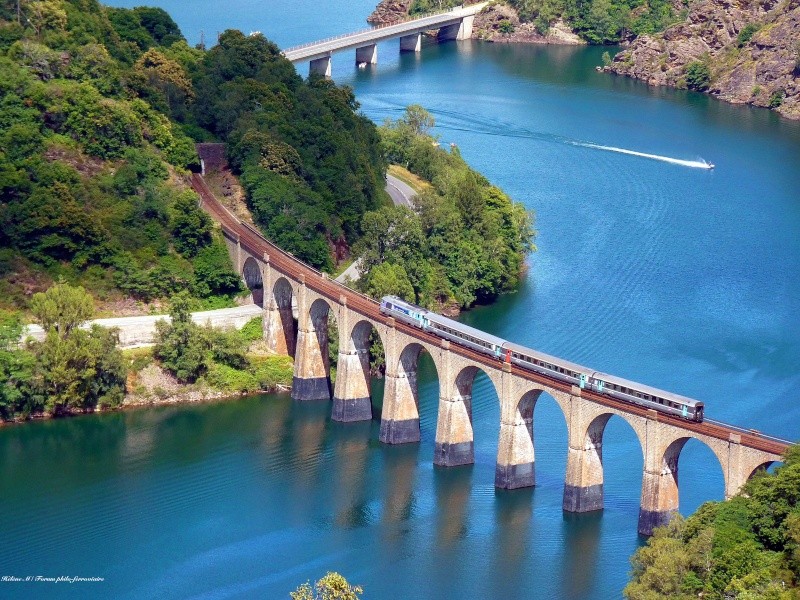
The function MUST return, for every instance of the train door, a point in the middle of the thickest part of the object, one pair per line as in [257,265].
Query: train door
[685,411]
[599,385]
[582,382]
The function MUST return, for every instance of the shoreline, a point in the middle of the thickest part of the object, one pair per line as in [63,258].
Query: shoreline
[135,402]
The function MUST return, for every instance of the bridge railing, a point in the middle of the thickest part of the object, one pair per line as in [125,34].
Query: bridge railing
[408,19]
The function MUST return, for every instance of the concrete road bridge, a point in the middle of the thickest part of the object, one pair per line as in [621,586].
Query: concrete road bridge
[453,24]
[279,278]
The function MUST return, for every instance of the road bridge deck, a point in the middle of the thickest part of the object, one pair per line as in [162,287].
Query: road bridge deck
[324,48]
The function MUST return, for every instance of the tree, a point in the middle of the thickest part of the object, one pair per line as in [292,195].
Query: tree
[387,279]
[418,119]
[62,307]
[698,76]
[191,227]
[331,587]
[16,366]
[181,345]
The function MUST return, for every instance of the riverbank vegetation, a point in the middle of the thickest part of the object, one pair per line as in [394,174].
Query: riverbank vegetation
[219,359]
[76,369]
[70,370]
[464,242]
[746,548]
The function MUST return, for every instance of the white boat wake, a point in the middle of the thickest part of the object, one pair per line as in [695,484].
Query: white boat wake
[695,164]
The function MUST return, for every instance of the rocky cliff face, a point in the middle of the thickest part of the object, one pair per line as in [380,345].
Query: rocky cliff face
[762,70]
[390,11]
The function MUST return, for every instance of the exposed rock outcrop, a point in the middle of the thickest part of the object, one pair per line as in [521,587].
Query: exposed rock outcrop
[390,11]
[762,70]
[500,23]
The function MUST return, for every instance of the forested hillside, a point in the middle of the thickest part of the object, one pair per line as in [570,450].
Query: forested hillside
[99,112]
[595,21]
[745,548]
[88,156]
[464,242]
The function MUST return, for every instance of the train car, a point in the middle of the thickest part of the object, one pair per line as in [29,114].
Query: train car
[465,335]
[405,312]
[649,397]
[551,366]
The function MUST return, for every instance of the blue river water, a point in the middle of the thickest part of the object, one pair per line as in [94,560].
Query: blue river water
[679,277]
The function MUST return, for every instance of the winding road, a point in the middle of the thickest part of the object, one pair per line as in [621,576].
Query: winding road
[402,195]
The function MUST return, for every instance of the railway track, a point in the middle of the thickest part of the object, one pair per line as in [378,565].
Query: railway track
[256,244]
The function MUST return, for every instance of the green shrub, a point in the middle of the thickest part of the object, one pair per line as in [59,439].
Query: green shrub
[271,371]
[253,330]
[229,379]
[698,76]
[746,34]
[776,99]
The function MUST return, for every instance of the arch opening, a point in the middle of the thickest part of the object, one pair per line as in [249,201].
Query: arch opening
[455,443]
[359,356]
[251,273]
[280,319]
[604,467]
[702,477]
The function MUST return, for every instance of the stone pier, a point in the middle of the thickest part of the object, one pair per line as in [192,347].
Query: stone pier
[311,379]
[320,66]
[367,54]
[454,436]
[583,486]
[411,43]
[400,416]
[515,456]
[351,398]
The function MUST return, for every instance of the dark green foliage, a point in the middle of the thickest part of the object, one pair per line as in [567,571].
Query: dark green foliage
[464,242]
[746,547]
[746,34]
[191,227]
[311,166]
[70,370]
[776,99]
[698,76]
[213,273]
[181,345]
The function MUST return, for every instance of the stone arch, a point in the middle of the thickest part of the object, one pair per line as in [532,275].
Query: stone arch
[312,361]
[584,484]
[400,416]
[765,466]
[251,273]
[515,450]
[352,398]
[660,493]
[454,435]
[280,324]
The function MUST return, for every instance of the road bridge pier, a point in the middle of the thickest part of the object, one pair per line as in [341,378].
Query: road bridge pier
[367,54]
[411,43]
[320,66]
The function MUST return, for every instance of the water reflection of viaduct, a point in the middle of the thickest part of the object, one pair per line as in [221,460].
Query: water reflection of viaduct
[278,280]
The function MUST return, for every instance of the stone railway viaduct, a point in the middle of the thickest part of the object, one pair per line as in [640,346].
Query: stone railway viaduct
[277,278]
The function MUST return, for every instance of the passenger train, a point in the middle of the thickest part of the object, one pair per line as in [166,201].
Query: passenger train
[533,360]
